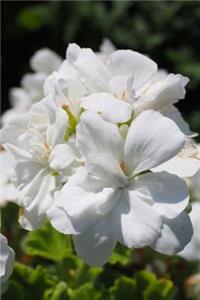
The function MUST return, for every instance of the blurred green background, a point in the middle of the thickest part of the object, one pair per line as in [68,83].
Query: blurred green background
[167,31]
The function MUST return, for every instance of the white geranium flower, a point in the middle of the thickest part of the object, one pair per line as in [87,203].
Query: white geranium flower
[44,159]
[67,89]
[20,102]
[43,63]
[129,82]
[129,76]
[8,192]
[69,86]
[7,258]
[32,83]
[112,198]
[193,183]
[106,48]
[192,250]
[185,164]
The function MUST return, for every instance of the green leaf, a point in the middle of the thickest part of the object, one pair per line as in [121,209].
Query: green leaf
[86,273]
[48,243]
[66,269]
[38,276]
[15,291]
[59,292]
[86,292]
[124,288]
[29,283]
[163,289]
[122,255]
[148,287]
[144,280]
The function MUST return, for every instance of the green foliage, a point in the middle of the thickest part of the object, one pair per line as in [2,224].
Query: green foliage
[161,290]
[56,273]
[144,286]
[150,288]
[122,255]
[85,292]
[47,243]
[33,18]
[29,283]
[58,292]
[124,288]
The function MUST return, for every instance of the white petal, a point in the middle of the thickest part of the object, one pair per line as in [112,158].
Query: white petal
[19,99]
[9,115]
[49,84]
[11,131]
[33,84]
[185,164]
[46,115]
[107,168]
[8,192]
[61,157]
[31,220]
[19,154]
[136,223]
[36,194]
[56,131]
[191,251]
[74,90]
[119,86]
[7,257]
[183,167]
[25,172]
[127,62]
[83,179]
[91,68]
[9,137]
[45,61]
[175,235]
[92,184]
[67,91]
[73,51]
[85,208]
[167,193]
[108,107]
[94,135]
[36,199]
[97,244]
[173,113]
[107,47]
[161,93]
[38,113]
[60,220]
[7,162]
[152,139]
[43,112]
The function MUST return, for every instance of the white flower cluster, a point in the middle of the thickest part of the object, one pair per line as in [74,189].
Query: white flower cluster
[7,257]
[100,151]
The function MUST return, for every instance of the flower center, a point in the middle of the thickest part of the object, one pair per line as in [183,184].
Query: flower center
[191,151]
[122,166]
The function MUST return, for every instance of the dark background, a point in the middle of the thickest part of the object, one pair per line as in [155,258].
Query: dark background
[167,31]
